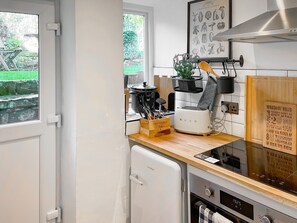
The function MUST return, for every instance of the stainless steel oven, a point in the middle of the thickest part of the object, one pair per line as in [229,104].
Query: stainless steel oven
[234,202]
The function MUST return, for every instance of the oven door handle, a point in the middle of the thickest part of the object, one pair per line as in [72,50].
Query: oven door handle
[134,178]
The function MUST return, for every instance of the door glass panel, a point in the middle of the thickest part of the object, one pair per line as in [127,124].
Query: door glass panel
[134,47]
[19,69]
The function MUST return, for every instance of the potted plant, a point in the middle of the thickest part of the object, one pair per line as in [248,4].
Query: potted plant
[184,69]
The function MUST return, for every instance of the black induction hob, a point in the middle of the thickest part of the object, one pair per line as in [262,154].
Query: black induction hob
[271,167]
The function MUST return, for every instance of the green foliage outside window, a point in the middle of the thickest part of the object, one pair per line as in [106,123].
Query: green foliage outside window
[17,34]
[133,26]
[130,45]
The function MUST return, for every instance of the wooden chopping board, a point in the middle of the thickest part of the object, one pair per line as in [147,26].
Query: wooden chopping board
[260,90]
[164,86]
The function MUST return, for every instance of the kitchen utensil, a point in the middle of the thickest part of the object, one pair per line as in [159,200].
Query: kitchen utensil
[206,67]
[161,102]
[225,83]
[171,102]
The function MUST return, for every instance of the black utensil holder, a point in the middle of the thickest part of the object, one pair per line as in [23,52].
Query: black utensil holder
[225,85]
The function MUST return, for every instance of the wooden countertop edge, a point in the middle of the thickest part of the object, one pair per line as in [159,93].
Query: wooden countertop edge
[270,192]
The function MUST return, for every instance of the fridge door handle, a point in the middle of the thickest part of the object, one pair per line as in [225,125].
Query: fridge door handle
[134,178]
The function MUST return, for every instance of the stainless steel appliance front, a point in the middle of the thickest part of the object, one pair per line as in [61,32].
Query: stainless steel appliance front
[234,203]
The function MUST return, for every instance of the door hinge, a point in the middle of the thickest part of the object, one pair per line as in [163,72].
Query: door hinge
[54,26]
[55,119]
[54,214]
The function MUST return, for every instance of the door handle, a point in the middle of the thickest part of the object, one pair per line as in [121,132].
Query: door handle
[134,178]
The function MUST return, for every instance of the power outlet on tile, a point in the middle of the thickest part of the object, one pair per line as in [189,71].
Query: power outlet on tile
[232,107]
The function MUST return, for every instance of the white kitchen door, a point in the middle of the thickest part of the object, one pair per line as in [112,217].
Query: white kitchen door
[27,111]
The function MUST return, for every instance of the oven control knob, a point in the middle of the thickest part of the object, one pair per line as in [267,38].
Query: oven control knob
[266,219]
[208,192]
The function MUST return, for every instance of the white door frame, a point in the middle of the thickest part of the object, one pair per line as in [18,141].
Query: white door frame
[47,103]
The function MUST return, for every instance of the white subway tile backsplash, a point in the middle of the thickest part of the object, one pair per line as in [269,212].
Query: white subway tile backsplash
[132,127]
[228,127]
[218,71]
[241,75]
[196,72]
[180,104]
[182,96]
[240,118]
[202,73]
[178,95]
[292,73]
[274,73]
[194,98]
[226,97]
[234,124]
[238,130]
[220,115]
[230,72]
[240,101]
[239,89]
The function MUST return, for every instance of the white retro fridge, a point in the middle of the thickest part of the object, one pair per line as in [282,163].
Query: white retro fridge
[158,190]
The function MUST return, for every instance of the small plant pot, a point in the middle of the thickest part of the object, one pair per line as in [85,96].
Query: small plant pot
[187,85]
[193,85]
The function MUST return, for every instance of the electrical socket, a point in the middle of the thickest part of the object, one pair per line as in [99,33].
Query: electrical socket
[232,107]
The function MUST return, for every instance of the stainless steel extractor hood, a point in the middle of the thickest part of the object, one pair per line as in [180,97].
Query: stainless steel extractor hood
[273,26]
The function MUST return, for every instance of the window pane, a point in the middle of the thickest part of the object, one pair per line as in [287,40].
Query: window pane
[134,45]
[19,79]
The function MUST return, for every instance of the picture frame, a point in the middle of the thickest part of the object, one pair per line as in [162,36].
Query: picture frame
[206,18]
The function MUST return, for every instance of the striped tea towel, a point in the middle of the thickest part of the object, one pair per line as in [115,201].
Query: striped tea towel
[205,215]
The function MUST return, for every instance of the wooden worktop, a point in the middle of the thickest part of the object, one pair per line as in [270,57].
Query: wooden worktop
[183,147]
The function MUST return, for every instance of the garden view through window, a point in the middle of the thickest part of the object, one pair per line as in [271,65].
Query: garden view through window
[134,47]
[19,76]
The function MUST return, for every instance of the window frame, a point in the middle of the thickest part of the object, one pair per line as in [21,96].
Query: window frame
[147,12]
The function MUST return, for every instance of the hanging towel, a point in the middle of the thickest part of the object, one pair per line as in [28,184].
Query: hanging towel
[209,95]
[217,218]
[205,215]
[198,204]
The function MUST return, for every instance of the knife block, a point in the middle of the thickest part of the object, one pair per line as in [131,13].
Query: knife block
[156,127]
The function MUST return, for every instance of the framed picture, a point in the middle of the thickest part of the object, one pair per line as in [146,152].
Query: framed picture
[206,18]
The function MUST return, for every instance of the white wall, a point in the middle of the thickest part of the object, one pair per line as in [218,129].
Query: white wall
[170,29]
[94,148]
[68,136]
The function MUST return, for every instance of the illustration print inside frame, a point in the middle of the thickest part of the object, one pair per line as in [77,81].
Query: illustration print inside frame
[206,18]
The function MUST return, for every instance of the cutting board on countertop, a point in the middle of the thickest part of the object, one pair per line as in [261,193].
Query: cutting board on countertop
[259,91]
[164,86]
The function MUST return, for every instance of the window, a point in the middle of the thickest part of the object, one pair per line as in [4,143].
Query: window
[19,74]
[137,44]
